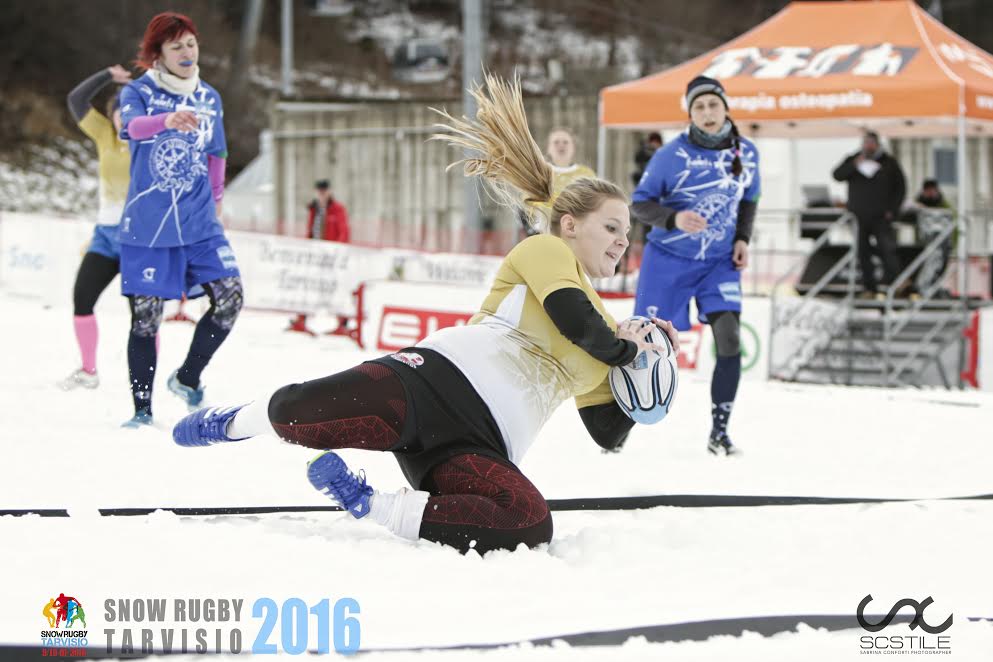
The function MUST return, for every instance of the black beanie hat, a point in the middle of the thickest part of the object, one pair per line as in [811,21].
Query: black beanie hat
[703,85]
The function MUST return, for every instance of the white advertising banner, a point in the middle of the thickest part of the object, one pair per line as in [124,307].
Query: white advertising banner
[40,255]
[985,358]
[451,268]
[300,275]
[395,314]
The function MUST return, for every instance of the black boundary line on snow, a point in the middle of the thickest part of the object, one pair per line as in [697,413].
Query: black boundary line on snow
[41,512]
[556,505]
[766,626]
[677,632]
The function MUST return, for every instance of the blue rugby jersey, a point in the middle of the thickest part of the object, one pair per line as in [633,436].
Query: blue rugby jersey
[169,199]
[681,176]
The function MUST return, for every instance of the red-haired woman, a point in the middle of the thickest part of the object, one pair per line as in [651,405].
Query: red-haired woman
[171,238]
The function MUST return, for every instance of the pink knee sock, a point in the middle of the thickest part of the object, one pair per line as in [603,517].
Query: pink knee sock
[86,336]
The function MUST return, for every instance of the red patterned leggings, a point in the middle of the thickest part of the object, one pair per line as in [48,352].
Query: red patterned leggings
[476,502]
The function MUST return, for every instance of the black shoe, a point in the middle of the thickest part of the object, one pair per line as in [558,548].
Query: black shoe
[720,443]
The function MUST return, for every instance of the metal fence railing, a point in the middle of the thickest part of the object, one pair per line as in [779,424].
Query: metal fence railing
[919,317]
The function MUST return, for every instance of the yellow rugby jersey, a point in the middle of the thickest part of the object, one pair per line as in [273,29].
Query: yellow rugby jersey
[562,177]
[513,354]
[114,159]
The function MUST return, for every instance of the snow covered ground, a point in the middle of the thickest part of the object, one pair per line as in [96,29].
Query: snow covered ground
[605,570]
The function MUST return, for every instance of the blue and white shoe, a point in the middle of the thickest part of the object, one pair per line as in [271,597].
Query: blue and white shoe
[205,427]
[329,475]
[139,420]
[193,397]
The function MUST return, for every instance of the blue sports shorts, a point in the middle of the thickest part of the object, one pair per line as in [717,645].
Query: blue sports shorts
[105,242]
[667,282]
[171,272]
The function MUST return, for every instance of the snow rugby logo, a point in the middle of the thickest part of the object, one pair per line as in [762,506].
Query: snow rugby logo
[60,639]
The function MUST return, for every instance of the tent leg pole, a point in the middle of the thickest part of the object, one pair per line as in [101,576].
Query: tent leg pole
[963,178]
[601,143]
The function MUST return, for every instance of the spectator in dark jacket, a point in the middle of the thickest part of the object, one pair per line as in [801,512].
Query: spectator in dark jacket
[876,188]
[327,218]
[641,158]
[931,196]
[644,155]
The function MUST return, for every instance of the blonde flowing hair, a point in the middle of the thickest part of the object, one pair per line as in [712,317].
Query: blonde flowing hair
[507,158]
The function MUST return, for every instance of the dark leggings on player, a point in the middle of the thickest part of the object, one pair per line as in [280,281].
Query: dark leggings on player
[477,502]
[726,325]
[94,275]
[212,329]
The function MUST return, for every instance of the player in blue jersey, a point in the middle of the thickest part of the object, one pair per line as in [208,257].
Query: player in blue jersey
[700,192]
[171,238]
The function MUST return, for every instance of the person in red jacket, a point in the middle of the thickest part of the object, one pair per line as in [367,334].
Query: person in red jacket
[327,219]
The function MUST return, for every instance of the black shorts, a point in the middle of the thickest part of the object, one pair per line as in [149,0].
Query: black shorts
[445,415]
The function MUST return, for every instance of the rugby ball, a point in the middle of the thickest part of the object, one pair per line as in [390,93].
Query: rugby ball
[645,388]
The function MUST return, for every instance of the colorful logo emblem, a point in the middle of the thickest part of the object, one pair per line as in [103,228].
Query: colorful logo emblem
[63,612]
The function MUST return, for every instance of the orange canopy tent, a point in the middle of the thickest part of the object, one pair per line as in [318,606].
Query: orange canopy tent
[829,68]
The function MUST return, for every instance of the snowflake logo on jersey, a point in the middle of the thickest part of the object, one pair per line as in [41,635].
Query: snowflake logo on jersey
[175,164]
[714,192]
[203,106]
[716,208]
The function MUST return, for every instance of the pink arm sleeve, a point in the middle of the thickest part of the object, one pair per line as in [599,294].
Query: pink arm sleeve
[215,173]
[146,126]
